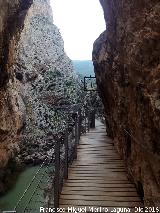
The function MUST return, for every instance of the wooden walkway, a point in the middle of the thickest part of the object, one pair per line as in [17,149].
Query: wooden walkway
[98,177]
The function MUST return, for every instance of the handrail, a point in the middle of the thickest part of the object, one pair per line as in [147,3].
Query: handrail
[64,154]
[69,154]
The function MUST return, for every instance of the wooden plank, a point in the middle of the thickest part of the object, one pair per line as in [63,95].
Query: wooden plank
[105,173]
[97,161]
[95,143]
[90,149]
[99,203]
[110,175]
[93,157]
[99,185]
[97,181]
[98,152]
[102,143]
[110,146]
[92,164]
[94,151]
[103,148]
[100,193]
[91,154]
[96,166]
[96,147]
[79,163]
[103,197]
[99,141]
[95,172]
[93,167]
[98,155]
[101,189]
[98,170]
[98,176]
[99,173]
[108,166]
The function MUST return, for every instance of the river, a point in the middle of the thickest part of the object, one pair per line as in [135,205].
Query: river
[8,201]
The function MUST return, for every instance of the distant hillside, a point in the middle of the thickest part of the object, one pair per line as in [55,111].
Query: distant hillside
[84,68]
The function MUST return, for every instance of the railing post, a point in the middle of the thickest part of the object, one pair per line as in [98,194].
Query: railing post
[79,123]
[88,116]
[78,126]
[76,137]
[66,154]
[57,174]
[92,124]
[85,121]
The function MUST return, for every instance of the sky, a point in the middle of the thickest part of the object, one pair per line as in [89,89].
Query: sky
[80,23]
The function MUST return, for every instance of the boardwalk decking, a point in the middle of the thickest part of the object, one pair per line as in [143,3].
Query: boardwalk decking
[98,177]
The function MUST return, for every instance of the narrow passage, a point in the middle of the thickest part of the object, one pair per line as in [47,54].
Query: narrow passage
[98,177]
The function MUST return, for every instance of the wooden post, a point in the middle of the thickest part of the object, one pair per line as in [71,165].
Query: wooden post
[80,123]
[88,116]
[57,174]
[85,121]
[76,137]
[92,124]
[66,154]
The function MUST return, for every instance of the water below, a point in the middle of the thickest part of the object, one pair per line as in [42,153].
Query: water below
[9,201]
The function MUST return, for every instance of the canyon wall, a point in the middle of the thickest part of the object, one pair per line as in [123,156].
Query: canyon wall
[12,14]
[47,78]
[35,75]
[126,61]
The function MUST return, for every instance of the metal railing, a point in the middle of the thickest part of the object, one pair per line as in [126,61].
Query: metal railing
[63,159]
[54,170]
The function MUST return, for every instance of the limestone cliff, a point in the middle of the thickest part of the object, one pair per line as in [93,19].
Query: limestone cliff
[47,77]
[35,75]
[12,14]
[126,61]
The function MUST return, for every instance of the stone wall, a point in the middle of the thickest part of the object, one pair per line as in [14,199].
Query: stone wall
[126,61]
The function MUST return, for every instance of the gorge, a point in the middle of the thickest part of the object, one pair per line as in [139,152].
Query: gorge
[36,74]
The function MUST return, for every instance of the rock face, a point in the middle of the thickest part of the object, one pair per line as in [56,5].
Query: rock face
[47,77]
[126,61]
[12,14]
[35,75]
